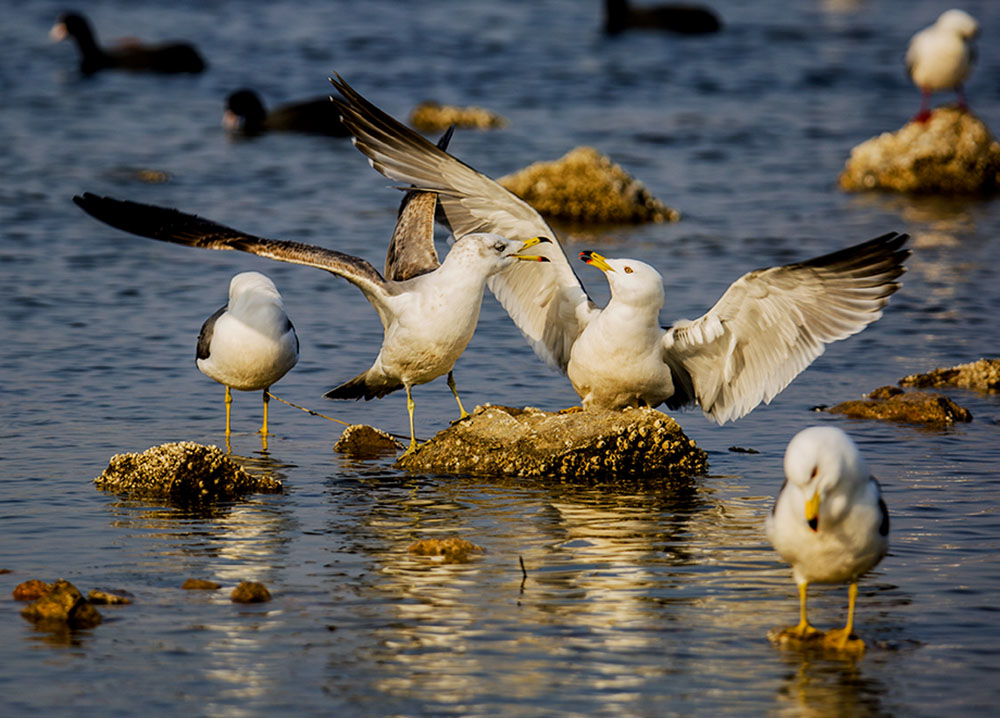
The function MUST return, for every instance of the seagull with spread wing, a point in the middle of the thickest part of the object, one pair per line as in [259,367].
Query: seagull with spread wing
[766,329]
[429,309]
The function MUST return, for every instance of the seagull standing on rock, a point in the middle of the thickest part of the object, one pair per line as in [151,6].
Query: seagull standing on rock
[766,329]
[250,343]
[940,57]
[428,309]
[829,522]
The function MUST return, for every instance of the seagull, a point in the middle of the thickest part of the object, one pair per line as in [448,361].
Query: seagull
[428,308]
[172,57]
[766,328]
[829,521]
[250,343]
[940,57]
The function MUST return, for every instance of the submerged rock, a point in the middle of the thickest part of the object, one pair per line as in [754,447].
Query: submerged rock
[452,549]
[367,442]
[981,375]
[893,404]
[63,605]
[587,445]
[182,471]
[250,592]
[585,186]
[108,598]
[433,117]
[952,153]
[200,584]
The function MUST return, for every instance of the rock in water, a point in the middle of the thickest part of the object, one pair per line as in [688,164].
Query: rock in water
[952,153]
[585,186]
[433,117]
[981,375]
[182,471]
[63,605]
[891,403]
[366,442]
[584,445]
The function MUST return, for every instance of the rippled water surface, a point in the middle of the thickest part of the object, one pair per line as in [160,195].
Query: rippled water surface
[640,598]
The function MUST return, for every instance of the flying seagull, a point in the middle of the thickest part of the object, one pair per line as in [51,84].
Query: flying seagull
[250,343]
[765,329]
[428,309]
[829,521]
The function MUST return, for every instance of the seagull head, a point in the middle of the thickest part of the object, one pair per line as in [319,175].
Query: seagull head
[631,281]
[959,22]
[252,292]
[826,467]
[493,252]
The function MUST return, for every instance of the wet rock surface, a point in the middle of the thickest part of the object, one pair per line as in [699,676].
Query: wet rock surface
[914,407]
[585,186]
[952,153]
[182,471]
[250,592]
[451,550]
[62,605]
[30,590]
[200,584]
[981,375]
[434,117]
[108,598]
[366,442]
[588,445]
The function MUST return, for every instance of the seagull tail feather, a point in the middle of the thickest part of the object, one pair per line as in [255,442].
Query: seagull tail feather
[364,386]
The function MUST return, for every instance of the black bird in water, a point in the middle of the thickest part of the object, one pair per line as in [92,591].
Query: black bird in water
[130,55]
[245,114]
[673,17]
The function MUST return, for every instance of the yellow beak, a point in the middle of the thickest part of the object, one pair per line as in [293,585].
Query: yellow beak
[596,260]
[812,512]
[533,257]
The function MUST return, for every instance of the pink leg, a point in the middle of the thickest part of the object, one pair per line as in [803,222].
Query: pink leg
[960,91]
[925,102]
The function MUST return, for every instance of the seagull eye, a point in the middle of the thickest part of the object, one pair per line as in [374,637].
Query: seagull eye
[628,270]
[499,247]
[814,472]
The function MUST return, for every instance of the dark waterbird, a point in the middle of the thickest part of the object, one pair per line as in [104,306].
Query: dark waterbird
[132,55]
[245,113]
[682,18]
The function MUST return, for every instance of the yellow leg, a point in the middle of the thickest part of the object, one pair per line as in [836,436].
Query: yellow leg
[229,404]
[263,427]
[803,629]
[413,436]
[451,385]
[841,637]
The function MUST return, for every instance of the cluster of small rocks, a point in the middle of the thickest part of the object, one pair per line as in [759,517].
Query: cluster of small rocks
[585,186]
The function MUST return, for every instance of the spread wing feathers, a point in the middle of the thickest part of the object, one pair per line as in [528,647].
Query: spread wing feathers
[548,304]
[772,323]
[411,249]
[171,225]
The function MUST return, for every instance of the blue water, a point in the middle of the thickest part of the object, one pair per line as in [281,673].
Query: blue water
[641,598]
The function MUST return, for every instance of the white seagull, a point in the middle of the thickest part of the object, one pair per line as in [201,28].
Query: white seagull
[250,343]
[829,521]
[428,309]
[767,327]
[940,57]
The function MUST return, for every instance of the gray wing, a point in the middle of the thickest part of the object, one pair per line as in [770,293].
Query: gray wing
[170,225]
[548,303]
[207,330]
[772,323]
[411,250]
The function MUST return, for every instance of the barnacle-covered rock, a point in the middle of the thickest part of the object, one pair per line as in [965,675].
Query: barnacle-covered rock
[952,153]
[433,117]
[914,407]
[981,375]
[586,187]
[587,445]
[449,550]
[363,441]
[182,471]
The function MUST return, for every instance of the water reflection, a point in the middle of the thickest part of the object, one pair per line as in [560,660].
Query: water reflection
[825,688]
